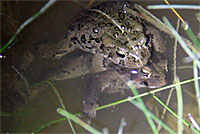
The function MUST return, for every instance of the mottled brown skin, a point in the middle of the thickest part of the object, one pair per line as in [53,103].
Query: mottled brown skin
[109,31]
[117,77]
[114,54]
[114,50]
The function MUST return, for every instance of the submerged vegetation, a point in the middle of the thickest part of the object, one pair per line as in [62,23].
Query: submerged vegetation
[155,122]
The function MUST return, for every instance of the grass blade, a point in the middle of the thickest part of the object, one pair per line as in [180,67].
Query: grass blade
[61,103]
[180,107]
[45,125]
[194,7]
[143,107]
[193,121]
[156,119]
[192,37]
[123,123]
[196,84]
[174,114]
[27,22]
[182,43]
[77,120]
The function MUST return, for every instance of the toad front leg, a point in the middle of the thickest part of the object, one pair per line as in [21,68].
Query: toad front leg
[96,86]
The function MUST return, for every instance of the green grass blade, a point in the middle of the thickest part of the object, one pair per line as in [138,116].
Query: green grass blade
[192,37]
[194,7]
[27,22]
[78,121]
[182,43]
[156,119]
[174,114]
[143,107]
[180,107]
[45,125]
[61,103]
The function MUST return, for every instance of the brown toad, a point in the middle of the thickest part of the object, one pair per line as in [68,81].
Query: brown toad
[109,31]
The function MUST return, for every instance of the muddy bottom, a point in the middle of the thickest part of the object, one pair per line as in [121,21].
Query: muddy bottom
[39,105]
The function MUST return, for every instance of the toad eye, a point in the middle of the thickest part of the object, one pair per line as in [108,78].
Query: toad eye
[120,53]
[145,72]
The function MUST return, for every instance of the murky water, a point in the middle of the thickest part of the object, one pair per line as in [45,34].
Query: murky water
[52,26]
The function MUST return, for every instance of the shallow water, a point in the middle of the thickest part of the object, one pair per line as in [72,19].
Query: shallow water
[52,26]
